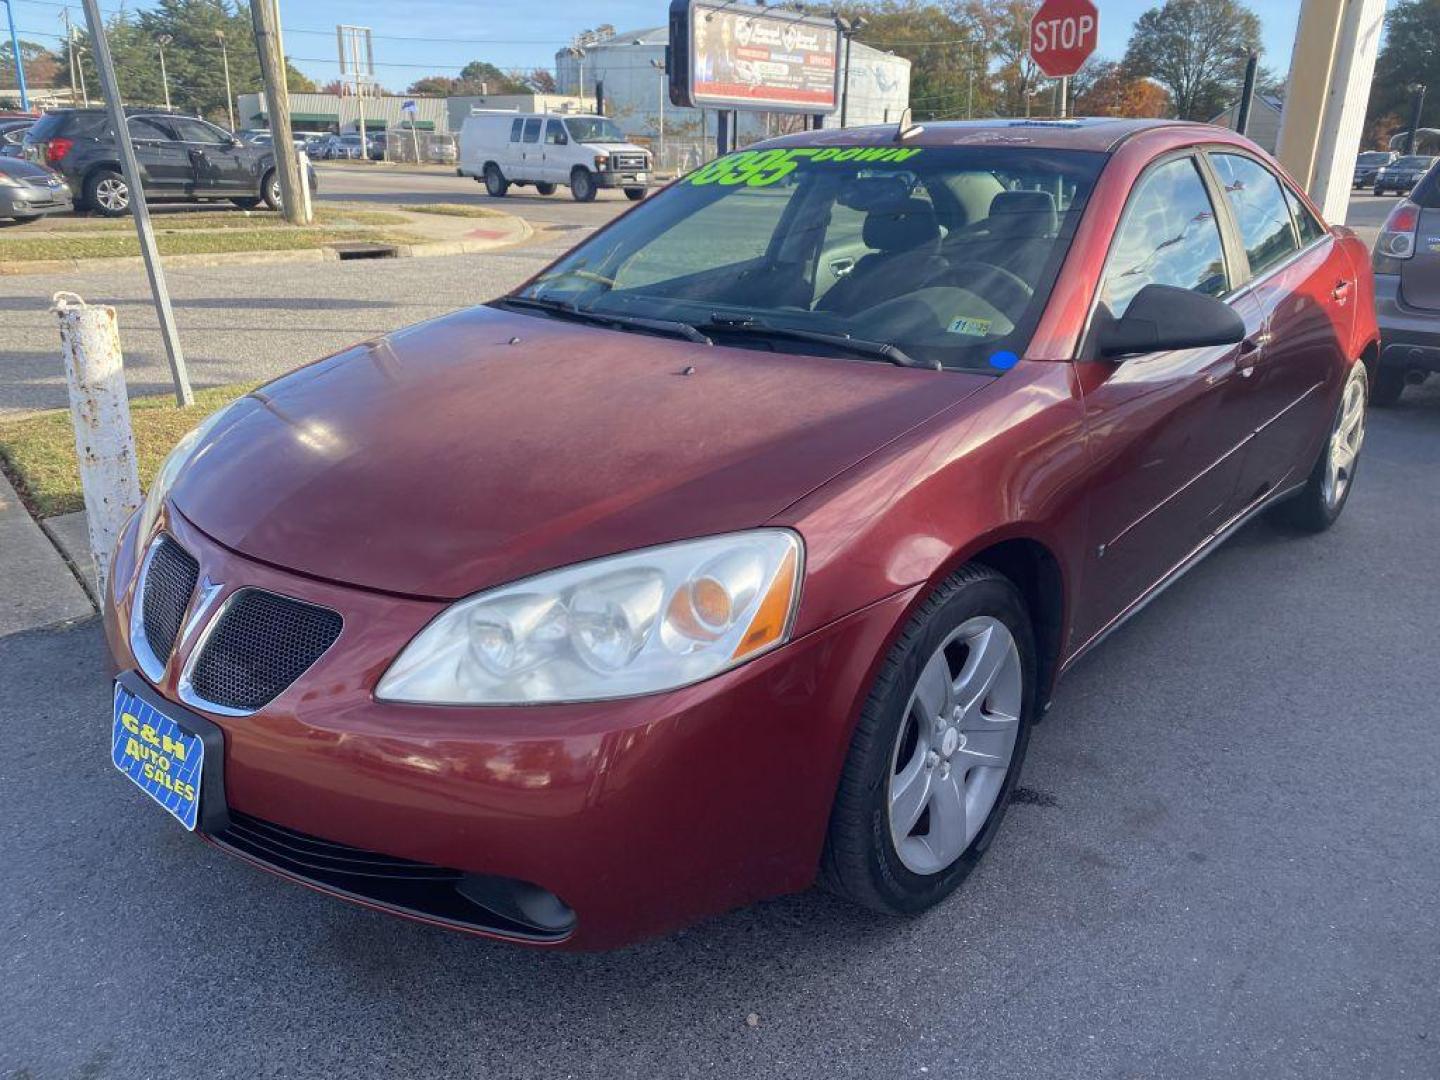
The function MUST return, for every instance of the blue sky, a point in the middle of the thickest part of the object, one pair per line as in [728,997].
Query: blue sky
[424,37]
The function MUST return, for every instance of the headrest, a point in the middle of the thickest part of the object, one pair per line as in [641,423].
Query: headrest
[1022,214]
[909,225]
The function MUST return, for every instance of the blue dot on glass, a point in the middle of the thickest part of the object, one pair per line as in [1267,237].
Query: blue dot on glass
[1003,361]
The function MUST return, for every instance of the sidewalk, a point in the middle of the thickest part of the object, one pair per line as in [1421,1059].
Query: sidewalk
[37,587]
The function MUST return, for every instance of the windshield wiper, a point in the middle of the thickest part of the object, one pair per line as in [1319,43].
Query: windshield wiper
[672,327]
[879,350]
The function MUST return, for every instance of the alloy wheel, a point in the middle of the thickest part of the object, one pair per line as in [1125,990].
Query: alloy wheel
[1346,439]
[955,744]
[112,194]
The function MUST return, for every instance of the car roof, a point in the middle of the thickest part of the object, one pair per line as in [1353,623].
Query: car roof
[1095,133]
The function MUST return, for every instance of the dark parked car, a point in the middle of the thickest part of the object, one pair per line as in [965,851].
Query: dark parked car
[744,544]
[180,157]
[1402,174]
[1368,164]
[29,191]
[1407,290]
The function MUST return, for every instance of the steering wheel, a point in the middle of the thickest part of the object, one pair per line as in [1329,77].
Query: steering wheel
[1002,288]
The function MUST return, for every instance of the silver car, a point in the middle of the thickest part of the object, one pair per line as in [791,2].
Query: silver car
[1407,291]
[29,191]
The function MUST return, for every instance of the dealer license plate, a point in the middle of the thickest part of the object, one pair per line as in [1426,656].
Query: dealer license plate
[162,758]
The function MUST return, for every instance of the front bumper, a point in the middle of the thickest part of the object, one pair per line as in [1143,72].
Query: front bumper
[640,815]
[30,201]
[1409,336]
[625,178]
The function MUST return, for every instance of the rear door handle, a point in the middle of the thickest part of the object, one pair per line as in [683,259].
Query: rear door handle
[841,267]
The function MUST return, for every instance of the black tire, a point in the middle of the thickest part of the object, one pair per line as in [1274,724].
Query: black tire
[107,194]
[634,194]
[495,183]
[26,219]
[1389,384]
[247,203]
[860,861]
[545,188]
[1378,191]
[582,185]
[270,190]
[1313,509]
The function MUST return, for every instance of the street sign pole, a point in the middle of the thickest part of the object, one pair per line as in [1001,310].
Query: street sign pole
[19,60]
[131,170]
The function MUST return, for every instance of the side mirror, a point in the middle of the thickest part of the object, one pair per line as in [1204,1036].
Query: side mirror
[1163,317]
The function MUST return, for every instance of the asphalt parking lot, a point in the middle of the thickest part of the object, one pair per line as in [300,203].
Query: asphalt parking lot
[1224,864]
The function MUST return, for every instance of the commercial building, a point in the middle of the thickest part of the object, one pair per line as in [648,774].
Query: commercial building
[342,112]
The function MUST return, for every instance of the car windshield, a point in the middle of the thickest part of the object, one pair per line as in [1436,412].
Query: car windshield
[1373,157]
[947,254]
[351,140]
[593,129]
[1413,162]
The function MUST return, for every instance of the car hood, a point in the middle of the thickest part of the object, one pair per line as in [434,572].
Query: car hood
[486,446]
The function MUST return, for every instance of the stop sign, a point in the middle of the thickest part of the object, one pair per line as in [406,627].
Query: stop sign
[1062,34]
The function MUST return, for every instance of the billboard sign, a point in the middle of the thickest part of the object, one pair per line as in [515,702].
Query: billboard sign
[724,57]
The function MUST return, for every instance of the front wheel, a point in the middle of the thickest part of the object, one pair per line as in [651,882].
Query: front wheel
[582,186]
[495,183]
[270,190]
[938,748]
[1378,191]
[1320,501]
[634,194]
[107,193]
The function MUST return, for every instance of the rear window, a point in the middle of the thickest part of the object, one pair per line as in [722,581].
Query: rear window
[1373,157]
[1427,193]
[49,125]
[1415,161]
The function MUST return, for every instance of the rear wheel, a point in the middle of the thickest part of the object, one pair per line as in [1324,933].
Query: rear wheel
[582,185]
[1389,385]
[270,190]
[938,748]
[247,203]
[545,188]
[1325,493]
[1378,191]
[634,194]
[106,193]
[495,183]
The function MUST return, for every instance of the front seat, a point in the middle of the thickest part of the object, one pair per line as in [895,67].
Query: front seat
[1018,234]
[905,243]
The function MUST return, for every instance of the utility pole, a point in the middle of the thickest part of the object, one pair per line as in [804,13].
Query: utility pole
[229,95]
[848,29]
[19,60]
[1247,93]
[131,168]
[70,54]
[160,43]
[659,65]
[265,16]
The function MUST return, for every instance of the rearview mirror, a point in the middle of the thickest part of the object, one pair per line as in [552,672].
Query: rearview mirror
[1163,317]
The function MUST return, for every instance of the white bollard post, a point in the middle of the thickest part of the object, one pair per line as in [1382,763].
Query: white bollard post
[100,411]
[305,186]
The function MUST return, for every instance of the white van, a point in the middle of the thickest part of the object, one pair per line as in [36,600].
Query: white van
[585,153]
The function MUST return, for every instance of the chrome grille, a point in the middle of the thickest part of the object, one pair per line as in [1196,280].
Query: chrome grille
[169,580]
[261,643]
[628,162]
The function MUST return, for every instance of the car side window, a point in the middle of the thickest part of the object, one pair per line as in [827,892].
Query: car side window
[1261,212]
[1306,223]
[194,131]
[516,127]
[555,133]
[532,129]
[142,127]
[1168,236]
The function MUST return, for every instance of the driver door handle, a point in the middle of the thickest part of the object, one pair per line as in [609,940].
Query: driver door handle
[1252,349]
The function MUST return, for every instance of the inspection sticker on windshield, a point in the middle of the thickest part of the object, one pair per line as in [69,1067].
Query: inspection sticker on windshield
[969,327]
[761,168]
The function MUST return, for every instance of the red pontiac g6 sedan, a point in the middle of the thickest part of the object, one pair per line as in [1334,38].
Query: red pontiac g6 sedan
[743,545]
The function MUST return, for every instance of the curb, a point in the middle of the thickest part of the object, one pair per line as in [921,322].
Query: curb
[522,233]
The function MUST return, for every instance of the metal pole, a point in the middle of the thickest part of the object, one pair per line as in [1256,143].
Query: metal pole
[70,54]
[19,60]
[266,19]
[229,96]
[131,168]
[845,90]
[1064,96]
[100,413]
[1247,93]
[160,43]
[359,95]
[1416,108]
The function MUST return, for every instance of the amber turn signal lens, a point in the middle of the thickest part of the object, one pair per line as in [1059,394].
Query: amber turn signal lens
[769,624]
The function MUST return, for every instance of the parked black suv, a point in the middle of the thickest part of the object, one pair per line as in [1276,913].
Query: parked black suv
[180,157]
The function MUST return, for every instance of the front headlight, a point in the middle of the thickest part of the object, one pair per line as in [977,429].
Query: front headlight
[637,623]
[171,469]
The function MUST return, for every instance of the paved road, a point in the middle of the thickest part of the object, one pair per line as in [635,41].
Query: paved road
[1225,866]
